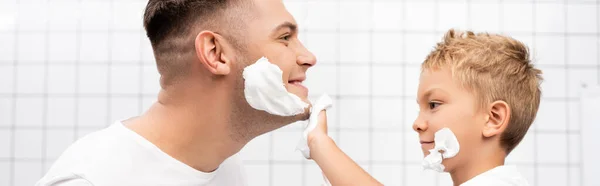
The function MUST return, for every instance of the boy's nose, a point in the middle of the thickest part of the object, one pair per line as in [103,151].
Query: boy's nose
[420,125]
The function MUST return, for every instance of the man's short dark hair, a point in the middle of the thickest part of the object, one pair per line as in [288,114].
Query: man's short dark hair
[169,24]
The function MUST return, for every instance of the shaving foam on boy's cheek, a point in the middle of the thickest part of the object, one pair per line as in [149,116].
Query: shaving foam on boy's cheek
[446,146]
[264,90]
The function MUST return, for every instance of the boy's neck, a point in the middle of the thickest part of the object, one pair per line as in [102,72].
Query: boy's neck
[477,165]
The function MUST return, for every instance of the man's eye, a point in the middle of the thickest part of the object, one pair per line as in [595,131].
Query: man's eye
[433,105]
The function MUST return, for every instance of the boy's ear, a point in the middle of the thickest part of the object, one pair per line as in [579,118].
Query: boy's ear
[498,117]
[210,52]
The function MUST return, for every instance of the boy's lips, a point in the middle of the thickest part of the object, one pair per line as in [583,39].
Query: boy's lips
[427,144]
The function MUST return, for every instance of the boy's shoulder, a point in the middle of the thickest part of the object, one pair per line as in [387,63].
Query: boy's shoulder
[505,175]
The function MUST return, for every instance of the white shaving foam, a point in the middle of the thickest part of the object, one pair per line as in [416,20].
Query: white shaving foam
[323,103]
[445,141]
[265,90]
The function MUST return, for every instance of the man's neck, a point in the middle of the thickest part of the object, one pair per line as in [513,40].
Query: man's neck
[197,136]
[476,165]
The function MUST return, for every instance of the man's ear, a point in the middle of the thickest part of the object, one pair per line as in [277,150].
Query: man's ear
[498,118]
[209,50]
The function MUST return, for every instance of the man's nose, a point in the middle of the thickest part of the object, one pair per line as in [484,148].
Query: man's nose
[305,57]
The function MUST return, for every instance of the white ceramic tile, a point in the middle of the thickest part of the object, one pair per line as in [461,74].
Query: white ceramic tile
[31,48]
[151,80]
[485,16]
[413,150]
[30,79]
[93,79]
[57,141]
[525,151]
[444,179]
[549,50]
[355,48]
[5,172]
[28,143]
[284,145]
[61,79]
[258,149]
[416,176]
[7,79]
[574,176]
[287,174]
[6,111]
[127,15]
[552,175]
[355,145]
[29,111]
[519,22]
[5,143]
[355,15]
[92,112]
[387,146]
[32,16]
[574,114]
[411,112]
[551,116]
[314,175]
[528,171]
[451,14]
[387,113]
[354,113]
[549,17]
[574,149]
[579,77]
[551,148]
[420,15]
[355,80]
[322,79]
[27,172]
[146,49]
[298,10]
[582,50]
[7,43]
[148,101]
[63,15]
[387,15]
[388,174]
[123,108]
[387,81]
[582,18]
[94,47]
[8,17]
[125,47]
[412,75]
[554,82]
[257,175]
[125,79]
[387,48]
[61,112]
[81,132]
[62,47]
[323,15]
[418,46]
[96,15]
[325,46]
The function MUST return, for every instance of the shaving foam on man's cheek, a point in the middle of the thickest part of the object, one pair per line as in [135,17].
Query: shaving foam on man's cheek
[446,146]
[264,90]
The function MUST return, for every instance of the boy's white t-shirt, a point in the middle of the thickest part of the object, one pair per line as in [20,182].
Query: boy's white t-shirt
[118,156]
[505,175]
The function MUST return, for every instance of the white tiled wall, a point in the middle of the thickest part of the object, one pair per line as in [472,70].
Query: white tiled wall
[70,67]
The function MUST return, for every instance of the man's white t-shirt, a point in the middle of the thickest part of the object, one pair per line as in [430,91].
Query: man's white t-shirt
[505,175]
[118,156]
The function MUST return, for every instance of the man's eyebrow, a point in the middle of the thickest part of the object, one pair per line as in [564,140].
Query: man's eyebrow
[293,27]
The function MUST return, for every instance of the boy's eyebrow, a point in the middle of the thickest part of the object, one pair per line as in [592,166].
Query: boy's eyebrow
[428,93]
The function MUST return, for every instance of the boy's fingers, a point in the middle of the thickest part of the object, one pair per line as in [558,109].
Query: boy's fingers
[323,120]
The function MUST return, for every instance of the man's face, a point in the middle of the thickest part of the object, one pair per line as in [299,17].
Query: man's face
[443,103]
[273,34]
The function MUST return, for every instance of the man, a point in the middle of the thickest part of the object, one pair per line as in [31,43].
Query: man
[201,118]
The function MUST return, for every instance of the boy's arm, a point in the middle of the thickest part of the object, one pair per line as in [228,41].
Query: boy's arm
[335,164]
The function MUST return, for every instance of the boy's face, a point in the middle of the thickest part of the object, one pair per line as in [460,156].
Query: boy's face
[443,103]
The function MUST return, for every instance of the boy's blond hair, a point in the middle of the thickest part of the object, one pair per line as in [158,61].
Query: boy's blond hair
[493,67]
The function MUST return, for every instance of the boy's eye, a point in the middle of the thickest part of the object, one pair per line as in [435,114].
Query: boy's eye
[433,105]
[287,37]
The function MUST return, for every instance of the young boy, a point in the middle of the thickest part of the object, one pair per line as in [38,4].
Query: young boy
[483,88]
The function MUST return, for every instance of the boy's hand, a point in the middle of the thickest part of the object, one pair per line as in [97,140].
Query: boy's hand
[320,132]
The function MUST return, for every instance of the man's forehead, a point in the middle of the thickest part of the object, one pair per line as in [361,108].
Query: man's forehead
[273,11]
